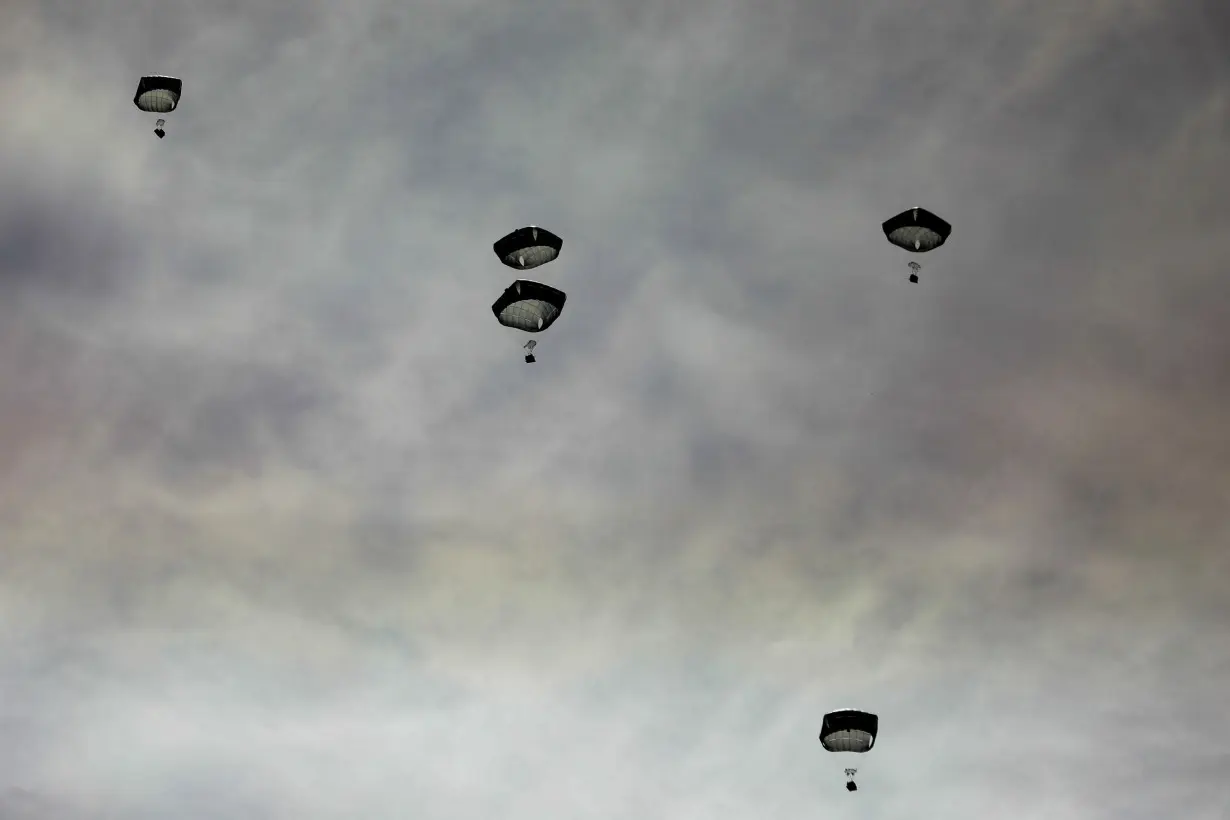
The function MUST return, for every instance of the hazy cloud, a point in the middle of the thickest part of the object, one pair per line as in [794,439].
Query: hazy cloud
[288,530]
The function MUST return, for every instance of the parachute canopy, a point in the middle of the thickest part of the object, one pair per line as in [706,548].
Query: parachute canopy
[529,306]
[157,94]
[528,247]
[917,230]
[849,730]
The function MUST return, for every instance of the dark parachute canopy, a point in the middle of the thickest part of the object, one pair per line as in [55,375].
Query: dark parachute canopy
[528,247]
[158,95]
[849,730]
[917,230]
[529,306]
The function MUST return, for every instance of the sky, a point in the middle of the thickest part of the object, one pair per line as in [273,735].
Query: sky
[289,530]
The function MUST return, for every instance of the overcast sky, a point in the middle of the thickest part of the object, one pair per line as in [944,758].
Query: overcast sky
[289,530]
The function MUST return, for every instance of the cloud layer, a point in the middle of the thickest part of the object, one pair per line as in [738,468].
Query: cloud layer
[288,530]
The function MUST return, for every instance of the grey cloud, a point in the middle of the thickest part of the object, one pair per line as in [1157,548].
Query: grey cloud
[62,240]
[22,804]
[289,530]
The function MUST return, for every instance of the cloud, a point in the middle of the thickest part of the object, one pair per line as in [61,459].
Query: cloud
[289,530]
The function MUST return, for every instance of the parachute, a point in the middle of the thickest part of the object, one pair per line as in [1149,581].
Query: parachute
[158,95]
[917,231]
[849,730]
[528,247]
[529,306]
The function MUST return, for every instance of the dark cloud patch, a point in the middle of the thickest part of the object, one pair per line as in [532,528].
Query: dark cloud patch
[189,417]
[64,244]
[176,37]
